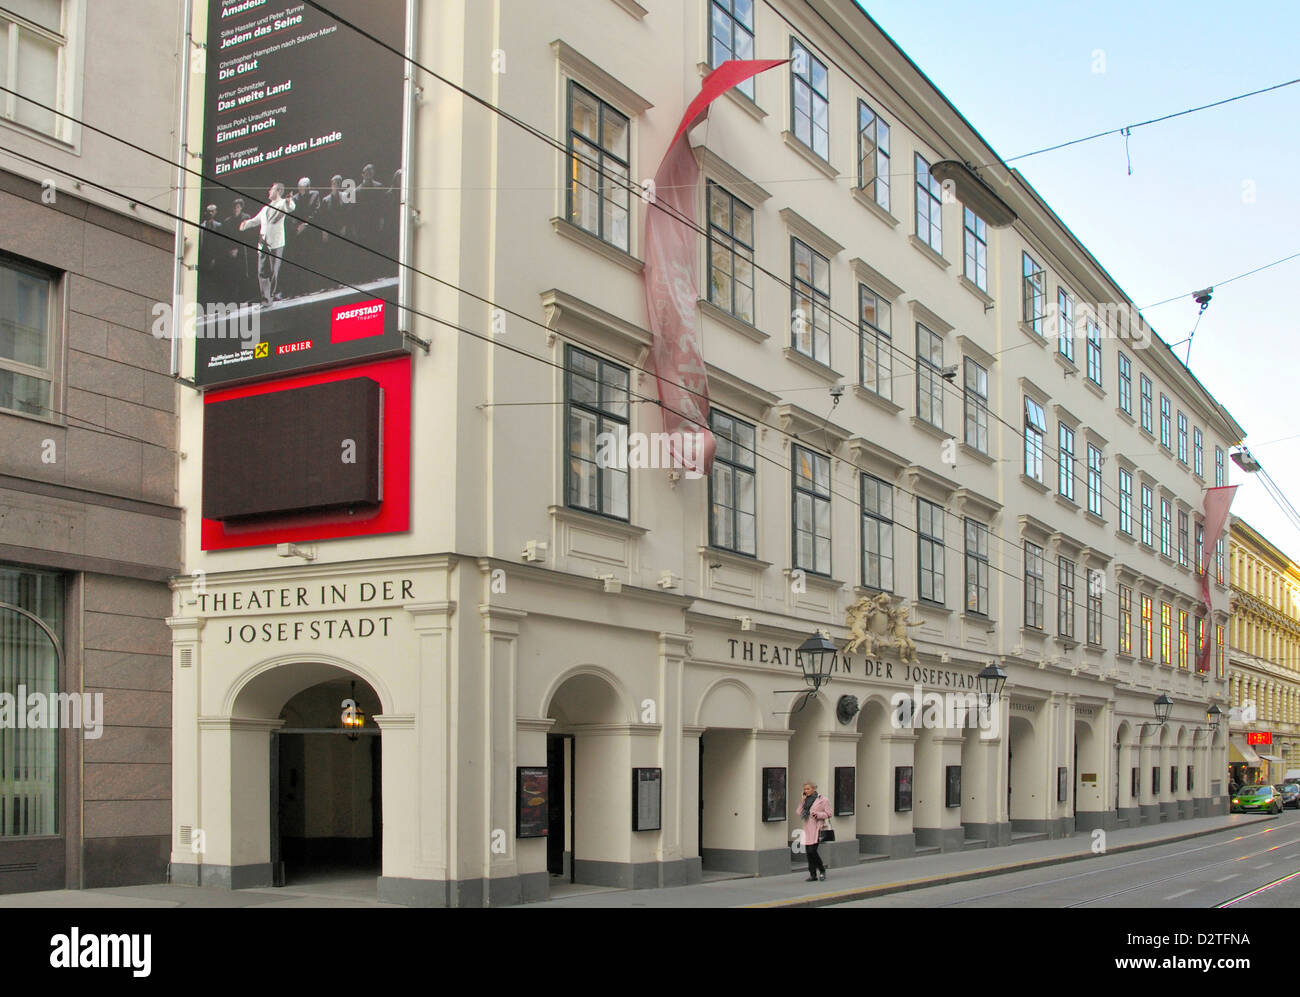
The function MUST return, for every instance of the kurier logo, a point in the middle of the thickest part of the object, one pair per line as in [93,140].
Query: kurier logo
[261,350]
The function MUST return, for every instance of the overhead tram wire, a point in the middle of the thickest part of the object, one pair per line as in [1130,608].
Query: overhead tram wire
[852,500]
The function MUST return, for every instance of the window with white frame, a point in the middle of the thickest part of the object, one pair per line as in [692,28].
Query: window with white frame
[731,253]
[731,34]
[873,155]
[1166,527]
[1219,479]
[34,54]
[1145,639]
[929,376]
[977,568]
[810,289]
[596,399]
[877,534]
[597,191]
[1035,597]
[1125,384]
[929,206]
[1126,501]
[977,249]
[976,421]
[1148,511]
[732,498]
[810,99]
[1125,620]
[1144,384]
[1065,461]
[1198,452]
[1065,324]
[812,511]
[1034,292]
[1182,437]
[874,322]
[929,551]
[1166,422]
[1035,437]
[1184,528]
[1094,352]
[1096,588]
[1094,480]
[1065,598]
[27,338]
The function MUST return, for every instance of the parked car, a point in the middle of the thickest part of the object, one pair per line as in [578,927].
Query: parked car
[1256,799]
[1290,795]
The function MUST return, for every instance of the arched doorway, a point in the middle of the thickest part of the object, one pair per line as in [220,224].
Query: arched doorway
[727,807]
[1089,802]
[1028,800]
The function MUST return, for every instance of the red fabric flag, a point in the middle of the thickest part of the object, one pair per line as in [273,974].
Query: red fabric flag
[672,280]
[1217,503]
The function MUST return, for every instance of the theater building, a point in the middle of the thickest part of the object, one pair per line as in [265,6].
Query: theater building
[563,669]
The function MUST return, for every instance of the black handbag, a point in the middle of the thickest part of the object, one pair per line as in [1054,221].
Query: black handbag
[825,834]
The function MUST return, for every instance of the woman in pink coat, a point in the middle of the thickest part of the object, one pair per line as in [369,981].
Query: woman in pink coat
[814,811]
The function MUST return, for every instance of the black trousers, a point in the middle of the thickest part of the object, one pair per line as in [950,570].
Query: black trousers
[815,863]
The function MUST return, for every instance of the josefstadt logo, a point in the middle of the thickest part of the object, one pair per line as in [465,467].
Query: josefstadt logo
[622,451]
[25,710]
[944,710]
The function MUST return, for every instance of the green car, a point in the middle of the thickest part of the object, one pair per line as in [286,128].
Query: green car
[1257,799]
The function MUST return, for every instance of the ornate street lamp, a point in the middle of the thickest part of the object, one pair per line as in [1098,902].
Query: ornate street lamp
[354,717]
[816,658]
[990,682]
[1164,706]
[1212,717]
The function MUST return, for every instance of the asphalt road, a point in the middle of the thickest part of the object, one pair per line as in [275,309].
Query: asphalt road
[1257,867]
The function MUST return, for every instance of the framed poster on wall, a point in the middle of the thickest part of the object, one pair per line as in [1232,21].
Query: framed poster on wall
[531,806]
[647,797]
[845,790]
[1173,778]
[1155,780]
[773,795]
[952,786]
[1136,786]
[1062,784]
[1190,786]
[902,788]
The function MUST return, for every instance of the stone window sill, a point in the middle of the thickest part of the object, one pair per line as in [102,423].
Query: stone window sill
[584,238]
[823,167]
[867,201]
[880,401]
[928,252]
[724,317]
[824,371]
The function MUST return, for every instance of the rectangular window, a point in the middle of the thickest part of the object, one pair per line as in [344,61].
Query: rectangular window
[33,62]
[1144,628]
[1147,511]
[27,308]
[1065,323]
[1094,353]
[929,550]
[1166,528]
[1166,633]
[977,249]
[598,167]
[873,155]
[929,206]
[1065,462]
[1198,452]
[1218,645]
[874,323]
[1125,384]
[1200,548]
[732,36]
[30,781]
[731,253]
[812,511]
[929,376]
[1219,479]
[810,96]
[977,406]
[877,534]
[1166,423]
[1065,597]
[1144,387]
[1183,538]
[596,400]
[1182,437]
[732,501]
[1034,586]
[811,293]
[1125,620]
[1035,435]
[1096,588]
[1094,480]
[1218,561]
[1126,501]
[1200,633]
[1033,293]
[977,568]
[1184,638]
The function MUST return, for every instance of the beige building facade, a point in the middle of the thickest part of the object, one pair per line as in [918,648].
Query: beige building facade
[609,653]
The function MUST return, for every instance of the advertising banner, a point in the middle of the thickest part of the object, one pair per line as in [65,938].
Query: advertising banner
[303,127]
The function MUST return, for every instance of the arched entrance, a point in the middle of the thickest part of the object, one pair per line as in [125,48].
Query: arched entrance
[1089,803]
[1028,787]
[727,806]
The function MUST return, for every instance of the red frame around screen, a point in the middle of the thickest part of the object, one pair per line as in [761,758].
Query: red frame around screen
[393,514]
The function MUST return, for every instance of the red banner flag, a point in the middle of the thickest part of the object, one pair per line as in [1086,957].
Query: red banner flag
[672,280]
[1217,503]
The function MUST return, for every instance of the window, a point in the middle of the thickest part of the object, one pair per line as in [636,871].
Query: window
[1147,508]
[811,290]
[598,167]
[929,376]
[1198,452]
[977,568]
[875,345]
[1065,462]
[732,502]
[1034,586]
[1094,353]
[732,36]
[1218,561]
[1182,438]
[810,99]
[1096,587]
[1200,548]
[1166,423]
[1183,530]
[1125,384]
[1166,633]
[1125,620]
[929,550]
[977,249]
[27,299]
[1126,501]
[1219,479]
[1200,634]
[977,406]
[1094,480]
[1218,645]
[30,782]
[1065,323]
[731,253]
[1166,528]
[1034,284]
[34,41]
[1065,598]
[1144,628]
[873,155]
[929,206]
[1144,386]
[812,511]
[596,399]
[1183,638]
[877,534]
[1035,434]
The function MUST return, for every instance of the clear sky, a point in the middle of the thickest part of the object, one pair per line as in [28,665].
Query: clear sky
[1212,194]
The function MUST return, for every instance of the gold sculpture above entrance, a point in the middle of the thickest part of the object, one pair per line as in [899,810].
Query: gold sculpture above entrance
[877,626]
